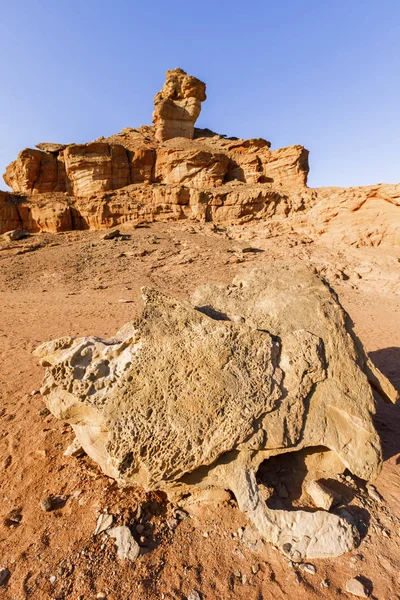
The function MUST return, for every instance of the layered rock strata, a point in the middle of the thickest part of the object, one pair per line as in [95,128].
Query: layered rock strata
[178,105]
[172,171]
[199,394]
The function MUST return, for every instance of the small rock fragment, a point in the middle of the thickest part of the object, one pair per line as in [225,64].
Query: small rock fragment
[320,495]
[181,514]
[35,392]
[127,547]
[4,576]
[104,522]
[74,449]
[44,412]
[194,595]
[13,518]
[16,234]
[255,568]
[101,596]
[52,579]
[356,587]
[110,235]
[307,568]
[47,504]
[172,523]
[374,494]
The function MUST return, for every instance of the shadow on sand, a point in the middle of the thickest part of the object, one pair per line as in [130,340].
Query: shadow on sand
[387,419]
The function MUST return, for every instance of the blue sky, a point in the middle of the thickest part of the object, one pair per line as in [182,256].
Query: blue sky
[321,73]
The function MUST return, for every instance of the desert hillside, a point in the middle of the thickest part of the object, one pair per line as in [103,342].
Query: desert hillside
[200,367]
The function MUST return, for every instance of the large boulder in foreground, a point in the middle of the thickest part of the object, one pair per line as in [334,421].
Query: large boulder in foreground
[200,393]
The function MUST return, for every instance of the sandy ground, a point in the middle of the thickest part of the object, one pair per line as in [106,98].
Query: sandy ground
[76,283]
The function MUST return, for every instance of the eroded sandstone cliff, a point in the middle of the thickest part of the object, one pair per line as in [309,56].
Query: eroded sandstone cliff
[172,171]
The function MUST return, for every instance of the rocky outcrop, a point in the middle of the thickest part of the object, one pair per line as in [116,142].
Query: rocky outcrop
[199,394]
[178,105]
[173,171]
[36,172]
[180,163]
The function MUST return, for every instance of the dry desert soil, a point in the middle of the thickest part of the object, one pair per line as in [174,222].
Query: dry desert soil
[77,283]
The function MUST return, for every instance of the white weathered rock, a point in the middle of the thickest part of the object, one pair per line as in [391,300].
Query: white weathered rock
[127,546]
[320,494]
[307,568]
[184,397]
[357,588]
[74,449]
[104,522]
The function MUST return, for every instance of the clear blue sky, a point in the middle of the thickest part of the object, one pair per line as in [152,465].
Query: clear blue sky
[322,73]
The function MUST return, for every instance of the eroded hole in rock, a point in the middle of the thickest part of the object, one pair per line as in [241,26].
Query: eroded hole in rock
[283,478]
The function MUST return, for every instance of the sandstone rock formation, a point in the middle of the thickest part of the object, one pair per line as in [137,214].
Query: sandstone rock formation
[178,105]
[154,173]
[199,394]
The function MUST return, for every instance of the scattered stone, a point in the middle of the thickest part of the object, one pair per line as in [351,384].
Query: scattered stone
[255,568]
[13,518]
[35,392]
[194,595]
[125,300]
[110,235]
[7,461]
[356,587]
[44,412]
[16,234]
[246,249]
[324,583]
[127,546]
[374,494]
[307,568]
[104,522]
[172,524]
[101,596]
[4,576]
[181,514]
[75,449]
[47,504]
[320,495]
[52,579]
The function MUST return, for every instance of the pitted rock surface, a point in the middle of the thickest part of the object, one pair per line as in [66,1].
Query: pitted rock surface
[190,395]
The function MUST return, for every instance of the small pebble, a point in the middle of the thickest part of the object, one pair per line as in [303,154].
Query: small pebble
[255,568]
[4,576]
[46,504]
[44,412]
[307,568]
[194,595]
[374,494]
[101,596]
[356,587]
[52,579]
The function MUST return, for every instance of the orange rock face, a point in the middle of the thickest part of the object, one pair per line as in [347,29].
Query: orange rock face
[173,171]
[178,105]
